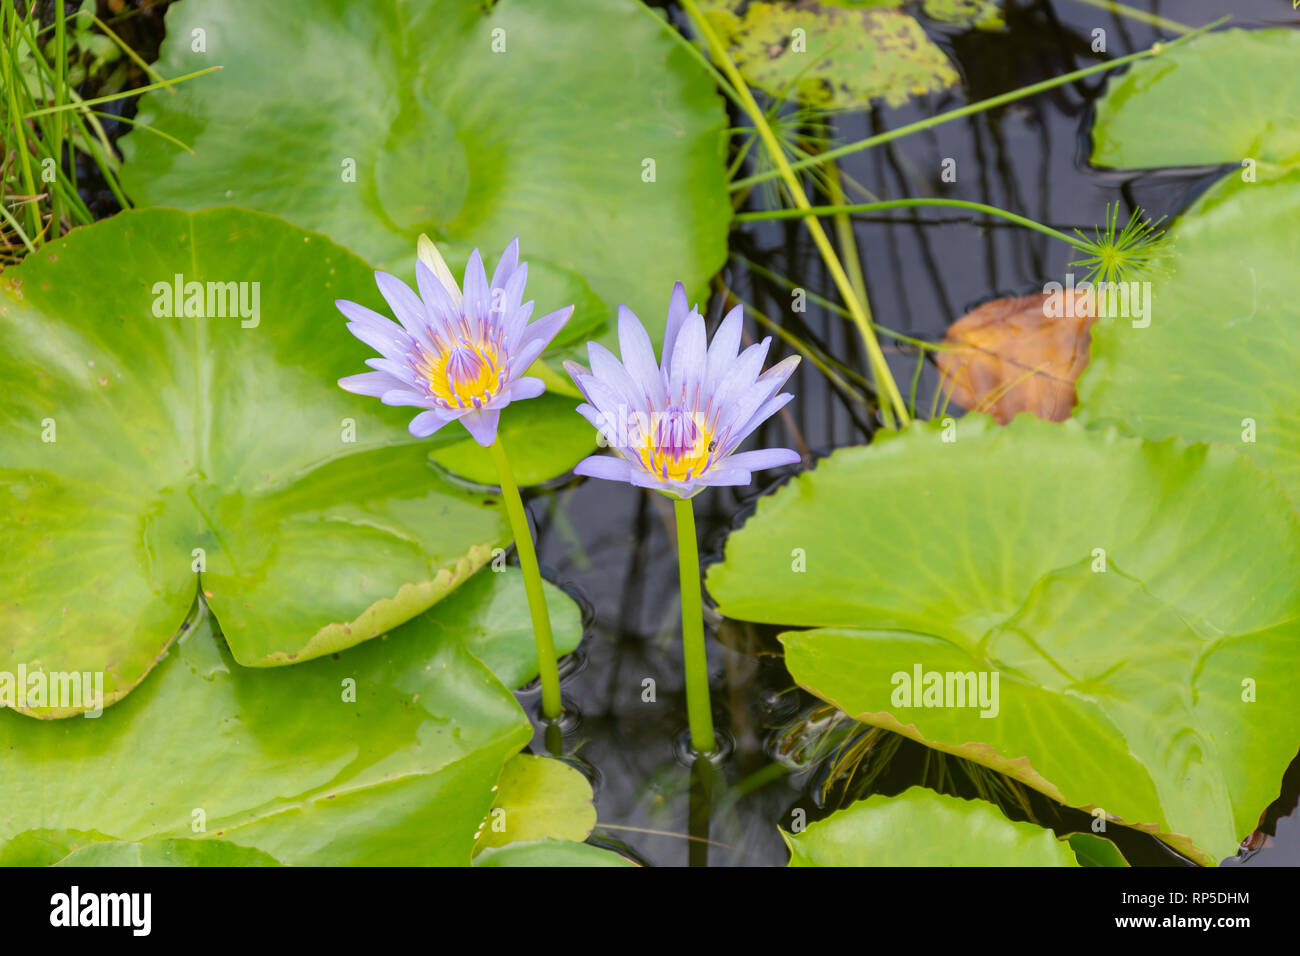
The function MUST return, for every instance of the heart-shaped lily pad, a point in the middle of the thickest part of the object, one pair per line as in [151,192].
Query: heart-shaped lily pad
[387,753]
[1222,98]
[1107,620]
[922,828]
[578,125]
[155,442]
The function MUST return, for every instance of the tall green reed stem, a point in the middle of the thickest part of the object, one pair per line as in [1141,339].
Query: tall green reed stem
[858,308]
[548,667]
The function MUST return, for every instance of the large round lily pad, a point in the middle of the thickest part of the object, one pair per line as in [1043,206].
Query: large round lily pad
[149,451]
[385,754]
[1138,603]
[922,828]
[472,122]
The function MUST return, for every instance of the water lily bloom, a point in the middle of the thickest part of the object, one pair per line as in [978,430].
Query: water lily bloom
[676,424]
[459,356]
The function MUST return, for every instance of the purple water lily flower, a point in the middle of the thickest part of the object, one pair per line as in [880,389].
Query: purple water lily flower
[676,424]
[461,357]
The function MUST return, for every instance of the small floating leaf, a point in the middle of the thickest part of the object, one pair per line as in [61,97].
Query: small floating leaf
[550,853]
[538,797]
[922,828]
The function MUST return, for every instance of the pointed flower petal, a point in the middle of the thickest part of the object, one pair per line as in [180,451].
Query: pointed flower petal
[428,254]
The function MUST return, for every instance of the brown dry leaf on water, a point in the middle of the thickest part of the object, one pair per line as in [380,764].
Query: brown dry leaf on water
[1010,356]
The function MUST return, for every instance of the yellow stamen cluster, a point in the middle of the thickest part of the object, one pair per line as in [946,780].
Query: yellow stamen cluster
[677,458]
[463,373]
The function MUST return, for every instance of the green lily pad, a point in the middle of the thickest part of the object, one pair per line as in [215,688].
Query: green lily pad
[47,847]
[1137,604]
[387,753]
[537,798]
[1093,850]
[1222,98]
[146,453]
[497,626]
[550,853]
[922,828]
[168,853]
[1218,360]
[472,122]
[831,55]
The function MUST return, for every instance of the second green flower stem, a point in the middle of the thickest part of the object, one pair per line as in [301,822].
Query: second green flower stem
[696,663]
[546,661]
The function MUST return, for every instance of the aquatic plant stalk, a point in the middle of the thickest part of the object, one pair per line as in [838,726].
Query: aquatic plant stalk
[1112,254]
[858,308]
[856,208]
[675,425]
[978,107]
[547,664]
[698,709]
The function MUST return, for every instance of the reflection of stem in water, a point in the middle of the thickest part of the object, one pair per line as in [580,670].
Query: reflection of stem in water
[701,806]
[554,738]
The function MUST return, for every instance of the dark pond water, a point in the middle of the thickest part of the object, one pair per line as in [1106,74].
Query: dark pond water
[614,546]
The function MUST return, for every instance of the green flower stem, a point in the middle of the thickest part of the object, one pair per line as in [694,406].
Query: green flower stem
[860,308]
[546,662]
[698,710]
[987,104]
[1074,241]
